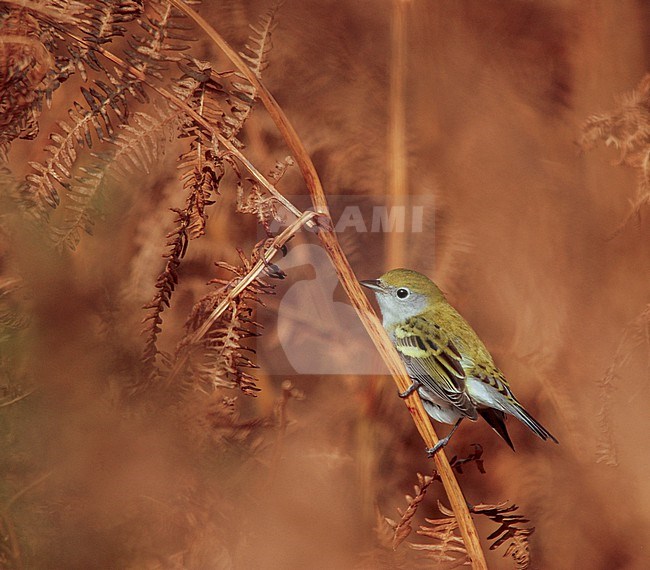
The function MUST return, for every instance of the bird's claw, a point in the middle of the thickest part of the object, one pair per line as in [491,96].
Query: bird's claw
[431,451]
[406,393]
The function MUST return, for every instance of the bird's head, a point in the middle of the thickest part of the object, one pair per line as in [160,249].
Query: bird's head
[404,293]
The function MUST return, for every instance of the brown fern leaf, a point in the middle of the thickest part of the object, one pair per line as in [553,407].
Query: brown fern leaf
[259,43]
[257,200]
[475,457]
[139,144]
[100,22]
[280,169]
[511,529]
[82,209]
[136,147]
[203,185]
[86,122]
[627,128]
[25,58]
[402,529]
[167,34]
[44,28]
[256,55]
[221,359]
[165,285]
[63,11]
[103,19]
[202,170]
[201,166]
[446,549]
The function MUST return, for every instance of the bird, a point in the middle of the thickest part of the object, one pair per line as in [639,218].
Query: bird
[449,366]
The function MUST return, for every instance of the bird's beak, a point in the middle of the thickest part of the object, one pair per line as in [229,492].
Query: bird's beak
[373,284]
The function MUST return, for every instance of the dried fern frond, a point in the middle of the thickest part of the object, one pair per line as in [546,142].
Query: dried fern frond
[165,284]
[402,529]
[60,11]
[257,200]
[32,33]
[135,148]
[201,172]
[203,185]
[103,19]
[201,166]
[82,208]
[259,43]
[101,22]
[12,316]
[210,311]
[140,143]
[167,33]
[25,58]
[218,359]
[104,104]
[606,451]
[447,549]
[475,457]
[255,55]
[511,529]
[627,128]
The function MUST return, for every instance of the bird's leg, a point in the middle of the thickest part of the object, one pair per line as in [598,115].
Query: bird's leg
[412,388]
[444,441]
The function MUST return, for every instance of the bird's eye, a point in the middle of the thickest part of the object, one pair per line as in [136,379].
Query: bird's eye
[402,293]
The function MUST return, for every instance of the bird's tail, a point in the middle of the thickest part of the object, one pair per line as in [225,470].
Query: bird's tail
[523,416]
[496,419]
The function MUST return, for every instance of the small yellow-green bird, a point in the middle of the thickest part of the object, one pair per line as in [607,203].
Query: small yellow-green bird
[450,367]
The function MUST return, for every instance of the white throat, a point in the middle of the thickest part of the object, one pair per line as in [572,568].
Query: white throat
[395,311]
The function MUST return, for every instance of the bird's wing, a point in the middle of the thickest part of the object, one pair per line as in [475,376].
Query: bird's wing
[433,360]
[507,402]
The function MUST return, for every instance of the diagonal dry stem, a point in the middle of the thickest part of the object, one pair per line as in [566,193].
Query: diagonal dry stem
[354,292]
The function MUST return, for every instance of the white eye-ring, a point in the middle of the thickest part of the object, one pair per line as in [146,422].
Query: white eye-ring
[402,293]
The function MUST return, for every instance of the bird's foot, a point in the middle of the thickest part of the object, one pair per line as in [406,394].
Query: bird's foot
[412,388]
[431,451]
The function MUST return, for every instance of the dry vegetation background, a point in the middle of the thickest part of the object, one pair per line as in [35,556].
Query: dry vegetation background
[542,243]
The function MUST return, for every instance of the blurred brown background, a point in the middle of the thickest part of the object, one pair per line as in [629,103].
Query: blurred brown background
[525,233]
